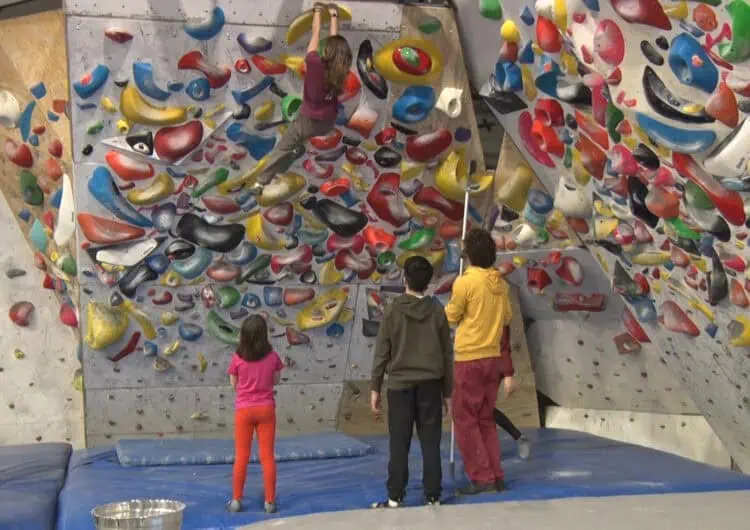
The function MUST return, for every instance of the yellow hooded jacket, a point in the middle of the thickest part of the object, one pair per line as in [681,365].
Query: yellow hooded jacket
[480,307]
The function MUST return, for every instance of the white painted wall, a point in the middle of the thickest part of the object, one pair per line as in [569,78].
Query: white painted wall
[689,436]
[37,399]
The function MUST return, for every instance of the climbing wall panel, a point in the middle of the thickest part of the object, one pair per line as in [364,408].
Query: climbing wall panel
[633,116]
[171,122]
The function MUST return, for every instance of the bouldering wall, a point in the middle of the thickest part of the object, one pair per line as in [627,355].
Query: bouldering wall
[39,389]
[174,111]
[632,114]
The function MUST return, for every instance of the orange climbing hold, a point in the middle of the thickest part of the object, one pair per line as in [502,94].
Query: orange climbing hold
[722,105]
[705,18]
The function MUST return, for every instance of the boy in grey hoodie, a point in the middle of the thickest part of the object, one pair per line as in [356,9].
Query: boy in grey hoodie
[414,347]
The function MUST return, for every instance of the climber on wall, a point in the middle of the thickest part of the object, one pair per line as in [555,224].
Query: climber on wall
[324,82]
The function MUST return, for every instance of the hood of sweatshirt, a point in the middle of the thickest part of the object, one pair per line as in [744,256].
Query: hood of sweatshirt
[491,278]
[413,307]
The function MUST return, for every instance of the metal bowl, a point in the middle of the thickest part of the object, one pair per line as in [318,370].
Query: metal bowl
[153,514]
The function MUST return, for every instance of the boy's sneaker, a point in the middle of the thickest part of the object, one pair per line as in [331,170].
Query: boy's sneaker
[234,506]
[389,503]
[524,448]
[270,507]
[432,501]
[500,485]
[474,488]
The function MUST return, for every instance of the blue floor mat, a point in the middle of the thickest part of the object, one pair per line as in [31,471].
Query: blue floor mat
[31,476]
[564,464]
[195,452]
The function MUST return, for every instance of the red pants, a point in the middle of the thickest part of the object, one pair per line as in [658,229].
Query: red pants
[474,395]
[246,421]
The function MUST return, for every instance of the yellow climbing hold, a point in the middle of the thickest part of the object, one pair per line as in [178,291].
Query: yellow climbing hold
[303,23]
[329,275]
[369,145]
[202,363]
[281,188]
[159,189]
[651,258]
[248,179]
[742,339]
[105,325]
[123,127]
[294,62]
[411,170]
[700,263]
[602,209]
[656,286]
[324,309]
[78,381]
[560,14]
[702,307]
[509,31]
[527,79]
[512,188]
[138,110]
[18,354]
[108,104]
[171,279]
[257,235]
[677,11]
[172,348]
[452,177]
[214,111]
[265,111]
[168,318]
[604,227]
[520,261]
[386,66]
[569,63]
[602,262]
[199,416]
[149,331]
[309,218]
[692,108]
[346,316]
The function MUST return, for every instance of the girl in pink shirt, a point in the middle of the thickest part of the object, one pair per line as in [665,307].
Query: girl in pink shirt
[324,81]
[253,372]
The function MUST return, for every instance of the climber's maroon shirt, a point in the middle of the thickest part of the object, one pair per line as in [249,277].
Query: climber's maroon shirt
[318,103]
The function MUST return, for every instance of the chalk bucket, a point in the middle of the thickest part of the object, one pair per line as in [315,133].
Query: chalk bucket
[152,514]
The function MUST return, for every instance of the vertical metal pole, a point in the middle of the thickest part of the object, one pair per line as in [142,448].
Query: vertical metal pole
[460,272]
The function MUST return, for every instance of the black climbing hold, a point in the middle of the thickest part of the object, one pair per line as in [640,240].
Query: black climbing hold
[341,220]
[87,149]
[387,157]
[142,143]
[571,122]
[277,90]
[179,250]
[352,142]
[662,43]
[309,203]
[331,156]
[134,277]
[646,157]
[718,284]
[242,113]
[313,189]
[221,238]
[403,129]
[309,277]
[370,328]
[369,76]
[650,53]
[198,113]
[637,192]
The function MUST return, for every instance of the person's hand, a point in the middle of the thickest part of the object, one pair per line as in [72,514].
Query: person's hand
[447,406]
[333,10]
[318,7]
[510,385]
[375,403]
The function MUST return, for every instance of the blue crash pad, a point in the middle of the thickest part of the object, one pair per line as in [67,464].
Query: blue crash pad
[194,452]
[563,464]
[31,476]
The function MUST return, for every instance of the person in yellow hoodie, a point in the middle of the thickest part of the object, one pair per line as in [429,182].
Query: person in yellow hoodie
[480,308]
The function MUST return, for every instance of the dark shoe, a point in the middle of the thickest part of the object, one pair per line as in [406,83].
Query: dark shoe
[432,501]
[388,503]
[500,485]
[474,488]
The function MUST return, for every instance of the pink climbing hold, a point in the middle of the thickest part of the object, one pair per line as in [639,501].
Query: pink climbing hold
[280,214]
[675,319]
[737,294]
[570,271]
[20,313]
[642,234]
[547,36]
[646,12]
[609,43]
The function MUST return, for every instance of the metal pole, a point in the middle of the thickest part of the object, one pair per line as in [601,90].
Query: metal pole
[460,272]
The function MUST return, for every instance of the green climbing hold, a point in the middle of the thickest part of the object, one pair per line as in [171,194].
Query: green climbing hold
[682,230]
[227,297]
[38,235]
[568,159]
[430,25]
[614,117]
[410,55]
[30,190]
[738,50]
[542,235]
[419,239]
[78,380]
[386,259]
[222,330]
[68,265]
[491,9]
[95,127]
[290,106]
[696,197]
[220,176]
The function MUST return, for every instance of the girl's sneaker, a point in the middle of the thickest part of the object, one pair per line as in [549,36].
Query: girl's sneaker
[524,448]
[270,507]
[234,506]
[389,503]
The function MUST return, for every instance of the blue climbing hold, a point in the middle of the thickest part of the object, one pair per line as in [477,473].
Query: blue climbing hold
[150,349]
[251,301]
[24,215]
[199,89]
[158,263]
[527,17]
[712,329]
[415,104]
[452,257]
[56,198]
[51,116]
[513,80]
[335,330]
[34,140]
[705,76]
[706,246]
[257,146]
[689,141]
[593,5]
[190,332]
[527,54]
[176,87]
[99,76]
[143,75]
[462,135]
[243,96]
[102,187]
[693,30]
[195,265]
[39,90]
[349,198]
[207,29]
[643,308]
[273,296]
[38,236]
[24,121]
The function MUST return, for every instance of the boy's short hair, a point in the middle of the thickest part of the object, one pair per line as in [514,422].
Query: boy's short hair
[418,273]
[480,248]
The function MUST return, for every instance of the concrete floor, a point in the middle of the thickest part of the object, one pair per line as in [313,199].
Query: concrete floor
[701,511]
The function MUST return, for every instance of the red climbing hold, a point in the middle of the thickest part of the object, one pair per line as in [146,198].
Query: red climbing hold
[175,143]
[634,327]
[220,205]
[356,156]
[593,303]
[19,154]
[537,279]
[298,295]
[68,315]
[280,214]
[641,232]
[386,136]
[386,201]
[334,188]
[327,142]
[609,43]
[430,196]
[570,271]
[597,133]
[675,319]
[722,105]
[53,169]
[20,313]
[128,168]
[426,147]
[107,231]
[705,18]
[646,12]
[363,264]
[296,338]
[217,76]
[412,60]
[547,36]
[336,242]
[379,239]
[626,344]
[737,294]
[525,122]
[242,66]
[593,158]
[547,140]
[679,257]
[549,112]
[267,66]
[508,52]
[663,203]
[55,148]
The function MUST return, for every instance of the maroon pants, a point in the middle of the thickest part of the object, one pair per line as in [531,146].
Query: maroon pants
[474,394]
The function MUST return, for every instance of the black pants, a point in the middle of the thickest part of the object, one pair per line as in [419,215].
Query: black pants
[421,405]
[505,424]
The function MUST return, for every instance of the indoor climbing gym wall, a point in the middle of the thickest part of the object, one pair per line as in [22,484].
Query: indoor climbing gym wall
[632,113]
[174,112]
[40,399]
